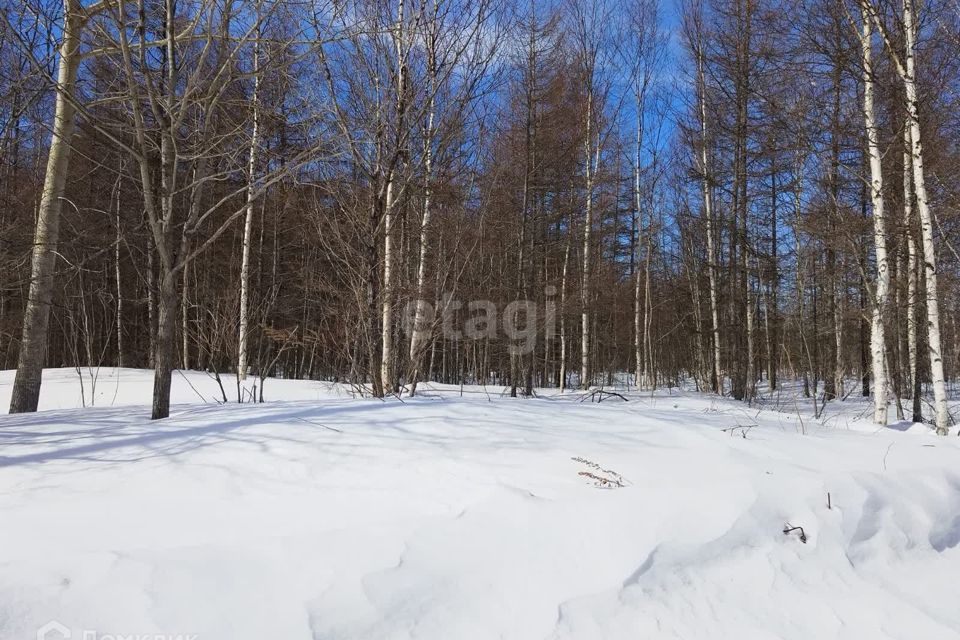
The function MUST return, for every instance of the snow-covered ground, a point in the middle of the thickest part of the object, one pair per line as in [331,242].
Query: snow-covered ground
[319,515]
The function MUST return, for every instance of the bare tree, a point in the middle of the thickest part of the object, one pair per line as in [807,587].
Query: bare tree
[905,66]
[248,218]
[878,345]
[36,316]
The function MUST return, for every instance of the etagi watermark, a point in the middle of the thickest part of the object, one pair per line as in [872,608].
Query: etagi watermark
[55,630]
[521,321]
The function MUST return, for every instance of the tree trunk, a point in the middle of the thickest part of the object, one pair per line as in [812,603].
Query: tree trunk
[166,345]
[839,310]
[772,315]
[151,305]
[743,97]
[587,230]
[912,284]
[185,316]
[635,242]
[648,375]
[36,317]
[563,315]
[386,308]
[248,219]
[373,291]
[926,226]
[121,355]
[421,328]
[805,359]
[878,346]
[834,355]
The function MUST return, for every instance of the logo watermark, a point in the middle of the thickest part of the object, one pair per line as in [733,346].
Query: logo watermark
[521,321]
[56,630]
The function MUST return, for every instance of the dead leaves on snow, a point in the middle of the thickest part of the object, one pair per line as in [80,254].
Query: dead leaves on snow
[602,478]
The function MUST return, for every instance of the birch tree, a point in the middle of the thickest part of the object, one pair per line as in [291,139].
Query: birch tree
[459,42]
[36,318]
[905,66]
[589,20]
[421,328]
[248,217]
[878,345]
[912,284]
[401,45]
[695,40]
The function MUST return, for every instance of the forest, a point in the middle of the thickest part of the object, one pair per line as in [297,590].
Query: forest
[726,194]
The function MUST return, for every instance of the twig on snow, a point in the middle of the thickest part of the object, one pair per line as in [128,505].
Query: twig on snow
[787,529]
[744,428]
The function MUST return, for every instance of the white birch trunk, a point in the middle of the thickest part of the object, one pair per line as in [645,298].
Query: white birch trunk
[248,219]
[386,309]
[421,329]
[877,337]
[185,316]
[838,313]
[805,360]
[647,310]
[563,315]
[121,360]
[708,215]
[587,229]
[926,224]
[751,385]
[911,273]
[637,289]
[151,303]
[36,317]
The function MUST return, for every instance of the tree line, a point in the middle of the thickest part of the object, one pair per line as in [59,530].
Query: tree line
[728,193]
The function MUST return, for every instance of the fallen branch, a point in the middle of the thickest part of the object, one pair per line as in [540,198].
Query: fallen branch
[743,427]
[787,529]
[600,395]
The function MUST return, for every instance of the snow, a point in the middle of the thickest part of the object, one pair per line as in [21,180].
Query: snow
[321,515]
